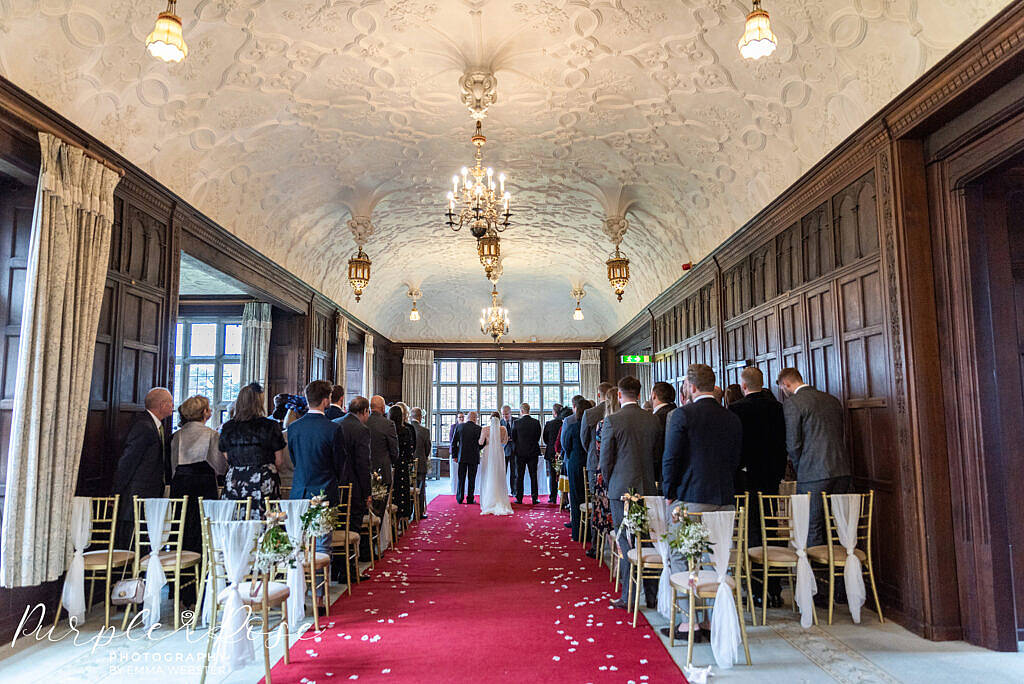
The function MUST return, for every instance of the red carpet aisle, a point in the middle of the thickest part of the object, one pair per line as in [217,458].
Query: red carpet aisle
[482,599]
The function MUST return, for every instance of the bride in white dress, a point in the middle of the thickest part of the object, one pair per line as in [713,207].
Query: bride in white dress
[494,486]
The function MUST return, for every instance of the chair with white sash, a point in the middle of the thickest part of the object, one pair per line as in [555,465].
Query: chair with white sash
[848,529]
[164,523]
[217,510]
[315,567]
[345,542]
[710,586]
[94,520]
[232,544]
[775,556]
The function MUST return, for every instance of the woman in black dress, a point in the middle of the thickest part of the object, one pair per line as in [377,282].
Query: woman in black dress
[254,447]
[406,455]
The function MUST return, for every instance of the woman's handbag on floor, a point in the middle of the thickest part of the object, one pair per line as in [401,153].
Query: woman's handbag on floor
[126,591]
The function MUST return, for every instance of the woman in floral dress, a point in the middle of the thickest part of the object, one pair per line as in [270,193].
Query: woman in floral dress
[406,455]
[255,449]
[602,508]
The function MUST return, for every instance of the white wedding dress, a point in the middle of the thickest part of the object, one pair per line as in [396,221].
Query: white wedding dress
[494,491]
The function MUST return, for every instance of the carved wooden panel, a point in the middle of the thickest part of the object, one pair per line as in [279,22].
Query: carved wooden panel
[765,341]
[822,351]
[143,243]
[738,348]
[855,216]
[818,243]
[788,259]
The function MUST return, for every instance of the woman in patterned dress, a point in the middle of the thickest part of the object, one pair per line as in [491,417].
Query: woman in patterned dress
[255,449]
[406,455]
[602,508]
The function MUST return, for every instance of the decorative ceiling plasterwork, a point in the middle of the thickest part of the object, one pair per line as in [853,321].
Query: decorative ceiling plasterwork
[287,119]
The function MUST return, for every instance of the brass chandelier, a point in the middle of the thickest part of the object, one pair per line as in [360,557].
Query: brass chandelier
[488,248]
[359,272]
[479,202]
[494,319]
[618,272]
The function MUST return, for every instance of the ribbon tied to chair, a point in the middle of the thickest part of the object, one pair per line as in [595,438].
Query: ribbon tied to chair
[296,575]
[725,621]
[657,518]
[73,595]
[846,512]
[217,510]
[158,532]
[236,540]
[806,588]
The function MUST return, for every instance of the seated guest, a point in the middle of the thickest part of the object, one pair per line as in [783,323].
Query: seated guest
[422,456]
[354,442]
[402,496]
[254,446]
[311,446]
[337,408]
[141,470]
[629,445]
[550,437]
[196,461]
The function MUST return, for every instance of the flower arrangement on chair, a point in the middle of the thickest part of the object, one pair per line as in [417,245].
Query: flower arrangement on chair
[274,548]
[635,520]
[690,538]
[378,487]
[320,518]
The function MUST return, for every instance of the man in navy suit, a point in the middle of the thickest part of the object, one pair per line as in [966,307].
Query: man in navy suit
[337,408]
[311,445]
[466,451]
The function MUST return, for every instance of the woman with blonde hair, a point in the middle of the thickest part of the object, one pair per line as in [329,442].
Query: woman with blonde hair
[602,522]
[254,447]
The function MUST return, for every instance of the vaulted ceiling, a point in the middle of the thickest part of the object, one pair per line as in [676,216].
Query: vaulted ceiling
[288,118]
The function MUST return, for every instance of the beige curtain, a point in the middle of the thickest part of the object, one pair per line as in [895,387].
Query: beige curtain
[67,268]
[368,379]
[417,380]
[256,325]
[341,357]
[590,372]
[645,374]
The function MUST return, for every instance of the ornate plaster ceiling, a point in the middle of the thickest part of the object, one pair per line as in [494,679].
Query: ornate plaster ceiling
[288,118]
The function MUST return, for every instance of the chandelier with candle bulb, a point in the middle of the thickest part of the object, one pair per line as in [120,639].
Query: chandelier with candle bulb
[478,199]
[494,319]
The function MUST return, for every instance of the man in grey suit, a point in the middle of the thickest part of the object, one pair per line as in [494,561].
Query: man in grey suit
[816,441]
[383,439]
[591,417]
[630,440]
[422,455]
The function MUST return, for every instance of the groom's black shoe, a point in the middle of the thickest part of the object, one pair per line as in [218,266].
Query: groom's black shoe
[519,501]
[471,502]
[619,603]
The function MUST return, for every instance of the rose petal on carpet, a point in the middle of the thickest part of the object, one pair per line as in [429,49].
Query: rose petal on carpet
[466,597]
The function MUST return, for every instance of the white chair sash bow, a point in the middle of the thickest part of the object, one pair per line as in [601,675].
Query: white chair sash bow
[294,508]
[157,530]
[725,622]
[806,588]
[385,529]
[846,511]
[73,595]
[217,510]
[236,540]
[657,518]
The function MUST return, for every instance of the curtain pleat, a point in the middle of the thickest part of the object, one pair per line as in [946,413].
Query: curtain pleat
[590,372]
[369,382]
[67,268]
[256,325]
[417,380]
[341,358]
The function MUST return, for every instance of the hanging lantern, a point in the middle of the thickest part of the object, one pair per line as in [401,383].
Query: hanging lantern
[359,272]
[758,40]
[618,272]
[488,248]
[166,41]
[414,315]
[578,293]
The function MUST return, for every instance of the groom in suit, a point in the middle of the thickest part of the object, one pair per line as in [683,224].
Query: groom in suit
[466,451]
[525,436]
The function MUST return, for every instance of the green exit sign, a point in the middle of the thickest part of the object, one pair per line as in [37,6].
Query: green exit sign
[636,358]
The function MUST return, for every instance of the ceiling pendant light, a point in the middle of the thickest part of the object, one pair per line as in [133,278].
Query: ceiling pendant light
[414,294]
[166,41]
[494,319]
[359,272]
[618,272]
[578,293]
[758,40]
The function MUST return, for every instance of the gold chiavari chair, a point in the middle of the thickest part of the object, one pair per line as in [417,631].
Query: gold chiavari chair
[833,555]
[101,562]
[778,559]
[644,563]
[272,595]
[242,511]
[344,541]
[414,492]
[585,509]
[316,565]
[370,526]
[614,559]
[706,588]
[740,548]
[175,560]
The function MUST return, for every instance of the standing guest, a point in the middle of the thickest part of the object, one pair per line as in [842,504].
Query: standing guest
[733,393]
[510,449]
[629,445]
[196,461]
[402,496]
[602,511]
[526,434]
[422,456]
[718,393]
[312,448]
[762,459]
[460,418]
[588,425]
[336,409]
[703,441]
[383,440]
[551,430]
[663,402]
[255,449]
[816,441]
[575,461]
[144,461]
[648,406]
[354,438]
[466,452]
